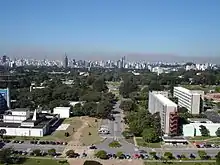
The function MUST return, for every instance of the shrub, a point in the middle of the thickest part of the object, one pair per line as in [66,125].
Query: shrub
[67,134]
[119,154]
[127,134]
[70,153]
[101,154]
[114,144]
[91,162]
[52,152]
[37,152]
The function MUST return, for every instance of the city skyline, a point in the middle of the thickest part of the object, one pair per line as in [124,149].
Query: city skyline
[107,30]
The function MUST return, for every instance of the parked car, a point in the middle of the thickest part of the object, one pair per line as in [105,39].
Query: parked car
[93,147]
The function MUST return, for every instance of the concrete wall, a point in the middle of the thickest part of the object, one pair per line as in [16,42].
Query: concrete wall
[64,112]
[25,131]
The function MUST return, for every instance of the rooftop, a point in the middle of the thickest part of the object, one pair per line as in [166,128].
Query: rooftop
[185,90]
[165,100]
[20,109]
[198,119]
[42,120]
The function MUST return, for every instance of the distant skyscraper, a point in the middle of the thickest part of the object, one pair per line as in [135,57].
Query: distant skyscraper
[65,63]
[4,58]
[123,62]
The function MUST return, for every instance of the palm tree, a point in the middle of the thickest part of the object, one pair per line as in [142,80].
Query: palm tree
[2,132]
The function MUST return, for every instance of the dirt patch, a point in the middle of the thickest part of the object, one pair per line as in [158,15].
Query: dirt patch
[80,136]
[89,134]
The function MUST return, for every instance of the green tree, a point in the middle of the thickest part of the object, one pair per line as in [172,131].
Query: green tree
[89,109]
[99,85]
[204,131]
[150,135]
[119,154]
[2,132]
[128,86]
[5,155]
[168,155]
[91,96]
[202,154]
[101,154]
[218,159]
[70,153]
[52,152]
[104,109]
[127,105]
[37,152]
[218,132]
[155,86]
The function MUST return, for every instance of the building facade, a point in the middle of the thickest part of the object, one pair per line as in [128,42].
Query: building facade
[5,102]
[168,112]
[190,99]
[20,122]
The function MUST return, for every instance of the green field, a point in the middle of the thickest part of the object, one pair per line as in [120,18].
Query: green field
[42,162]
[179,163]
[59,135]
[141,142]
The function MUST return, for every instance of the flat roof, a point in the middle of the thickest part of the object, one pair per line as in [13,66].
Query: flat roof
[165,100]
[40,123]
[19,109]
[62,108]
[198,119]
[185,90]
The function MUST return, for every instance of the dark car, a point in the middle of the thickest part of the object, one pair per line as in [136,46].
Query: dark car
[92,147]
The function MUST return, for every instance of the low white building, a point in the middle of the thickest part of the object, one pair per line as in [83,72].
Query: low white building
[64,112]
[20,122]
[193,129]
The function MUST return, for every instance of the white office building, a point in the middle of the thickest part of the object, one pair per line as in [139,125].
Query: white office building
[151,105]
[167,109]
[21,122]
[190,99]
[64,112]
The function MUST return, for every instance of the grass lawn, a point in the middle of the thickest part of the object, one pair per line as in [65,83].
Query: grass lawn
[200,138]
[92,129]
[59,135]
[180,163]
[130,140]
[142,143]
[42,162]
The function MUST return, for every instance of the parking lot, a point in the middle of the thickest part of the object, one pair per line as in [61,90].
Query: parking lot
[19,145]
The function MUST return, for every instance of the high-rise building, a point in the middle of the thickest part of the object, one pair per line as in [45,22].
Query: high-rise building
[190,99]
[168,112]
[123,62]
[4,58]
[5,101]
[65,63]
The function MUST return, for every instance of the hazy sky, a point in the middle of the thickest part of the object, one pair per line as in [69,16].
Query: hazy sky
[51,27]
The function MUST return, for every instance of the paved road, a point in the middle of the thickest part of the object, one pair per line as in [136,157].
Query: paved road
[31,147]
[115,128]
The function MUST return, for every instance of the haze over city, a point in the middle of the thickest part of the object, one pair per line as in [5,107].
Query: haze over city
[151,30]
